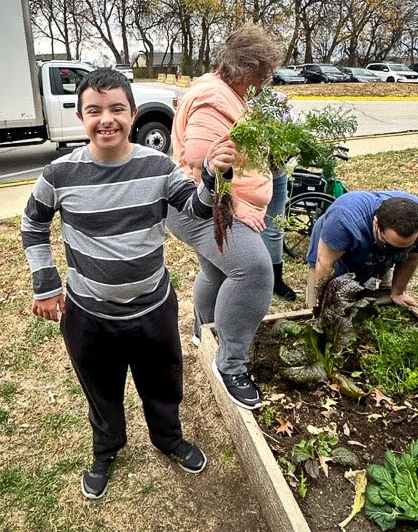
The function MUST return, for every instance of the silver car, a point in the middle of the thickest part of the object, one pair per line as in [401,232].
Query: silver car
[125,69]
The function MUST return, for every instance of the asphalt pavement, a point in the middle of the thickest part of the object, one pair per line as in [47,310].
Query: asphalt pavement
[382,126]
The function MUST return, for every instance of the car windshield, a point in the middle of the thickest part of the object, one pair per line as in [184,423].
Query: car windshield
[362,72]
[330,69]
[287,72]
[399,66]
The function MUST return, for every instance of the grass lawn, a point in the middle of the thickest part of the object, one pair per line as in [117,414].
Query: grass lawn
[45,437]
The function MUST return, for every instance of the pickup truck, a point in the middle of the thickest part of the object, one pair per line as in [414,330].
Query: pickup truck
[38,100]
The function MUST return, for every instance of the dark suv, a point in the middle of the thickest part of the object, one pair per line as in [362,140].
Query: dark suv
[323,74]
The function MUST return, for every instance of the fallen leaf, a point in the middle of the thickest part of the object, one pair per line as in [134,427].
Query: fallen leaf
[285,427]
[275,397]
[379,397]
[359,480]
[373,417]
[323,461]
[314,430]
[346,429]
[354,442]
[335,387]
[328,404]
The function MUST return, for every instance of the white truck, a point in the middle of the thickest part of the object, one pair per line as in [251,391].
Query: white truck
[38,101]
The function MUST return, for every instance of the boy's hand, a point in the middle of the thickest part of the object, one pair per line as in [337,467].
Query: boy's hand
[47,308]
[221,154]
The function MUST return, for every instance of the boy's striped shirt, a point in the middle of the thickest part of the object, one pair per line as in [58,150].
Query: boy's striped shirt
[113,226]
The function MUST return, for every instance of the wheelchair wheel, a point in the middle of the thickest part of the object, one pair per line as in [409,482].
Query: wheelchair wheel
[304,210]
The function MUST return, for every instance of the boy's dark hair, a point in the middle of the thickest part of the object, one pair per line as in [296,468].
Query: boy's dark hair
[399,214]
[103,79]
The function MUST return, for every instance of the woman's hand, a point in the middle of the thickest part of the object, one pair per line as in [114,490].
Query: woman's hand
[248,215]
[221,154]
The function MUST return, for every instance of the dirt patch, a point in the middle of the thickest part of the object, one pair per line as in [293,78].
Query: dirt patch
[364,427]
[45,438]
[399,90]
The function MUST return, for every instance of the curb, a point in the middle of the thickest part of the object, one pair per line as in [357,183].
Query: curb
[356,98]
[17,183]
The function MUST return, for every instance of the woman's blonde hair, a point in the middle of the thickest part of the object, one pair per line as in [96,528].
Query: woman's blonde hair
[248,55]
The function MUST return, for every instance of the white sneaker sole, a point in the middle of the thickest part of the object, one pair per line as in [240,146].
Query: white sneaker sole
[195,340]
[90,495]
[220,379]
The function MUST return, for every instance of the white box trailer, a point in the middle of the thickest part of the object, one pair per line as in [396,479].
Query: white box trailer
[38,102]
[20,99]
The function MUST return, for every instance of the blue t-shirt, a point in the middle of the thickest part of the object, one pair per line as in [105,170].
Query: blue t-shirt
[347,226]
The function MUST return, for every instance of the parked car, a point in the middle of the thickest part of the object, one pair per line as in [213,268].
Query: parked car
[284,76]
[125,69]
[315,73]
[296,68]
[394,72]
[414,67]
[361,75]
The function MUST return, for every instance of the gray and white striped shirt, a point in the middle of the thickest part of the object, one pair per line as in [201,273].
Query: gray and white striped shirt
[112,222]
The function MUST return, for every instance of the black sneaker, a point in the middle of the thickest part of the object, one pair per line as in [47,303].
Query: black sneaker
[95,480]
[189,457]
[241,388]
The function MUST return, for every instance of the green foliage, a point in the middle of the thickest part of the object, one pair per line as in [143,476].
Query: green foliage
[324,339]
[269,415]
[7,390]
[227,457]
[5,424]
[267,134]
[175,278]
[40,330]
[58,421]
[392,491]
[285,328]
[392,362]
[304,457]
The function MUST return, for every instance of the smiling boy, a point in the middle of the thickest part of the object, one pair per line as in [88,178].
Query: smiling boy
[120,311]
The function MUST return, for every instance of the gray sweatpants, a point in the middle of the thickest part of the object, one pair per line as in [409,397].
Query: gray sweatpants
[233,288]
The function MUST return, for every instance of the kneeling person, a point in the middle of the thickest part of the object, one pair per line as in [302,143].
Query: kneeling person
[367,233]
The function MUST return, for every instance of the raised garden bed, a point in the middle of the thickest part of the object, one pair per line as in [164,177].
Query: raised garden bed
[367,427]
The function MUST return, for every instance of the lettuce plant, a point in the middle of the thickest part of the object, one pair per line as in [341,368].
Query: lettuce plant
[392,490]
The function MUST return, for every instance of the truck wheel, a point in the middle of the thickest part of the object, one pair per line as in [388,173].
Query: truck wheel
[154,135]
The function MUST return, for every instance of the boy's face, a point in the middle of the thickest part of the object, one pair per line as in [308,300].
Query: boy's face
[107,118]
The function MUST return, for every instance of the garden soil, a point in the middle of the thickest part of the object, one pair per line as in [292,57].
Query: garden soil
[366,428]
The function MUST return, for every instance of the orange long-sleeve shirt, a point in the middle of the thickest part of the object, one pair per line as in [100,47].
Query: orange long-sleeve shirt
[207,111]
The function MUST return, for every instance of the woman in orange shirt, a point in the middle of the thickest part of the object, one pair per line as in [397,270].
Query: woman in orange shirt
[233,288]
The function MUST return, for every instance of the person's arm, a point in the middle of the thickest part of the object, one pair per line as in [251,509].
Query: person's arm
[325,261]
[401,276]
[36,222]
[194,201]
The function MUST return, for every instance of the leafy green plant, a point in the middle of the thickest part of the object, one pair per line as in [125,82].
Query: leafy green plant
[326,337]
[392,362]
[269,414]
[307,456]
[392,491]
[267,133]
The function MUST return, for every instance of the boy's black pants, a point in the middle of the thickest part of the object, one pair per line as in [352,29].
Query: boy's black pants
[102,350]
